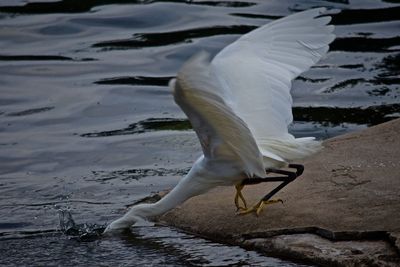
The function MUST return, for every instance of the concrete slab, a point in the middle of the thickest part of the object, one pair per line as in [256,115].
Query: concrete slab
[349,191]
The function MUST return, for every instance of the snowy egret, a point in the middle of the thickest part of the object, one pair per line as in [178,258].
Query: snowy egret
[239,105]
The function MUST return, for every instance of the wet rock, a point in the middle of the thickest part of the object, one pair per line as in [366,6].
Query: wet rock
[343,211]
[315,249]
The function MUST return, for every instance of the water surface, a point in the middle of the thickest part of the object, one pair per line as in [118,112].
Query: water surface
[88,125]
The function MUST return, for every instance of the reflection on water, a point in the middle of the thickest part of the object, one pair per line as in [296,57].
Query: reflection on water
[29,111]
[137,80]
[151,124]
[322,117]
[88,124]
[129,174]
[146,246]
[141,40]
[75,6]
[84,245]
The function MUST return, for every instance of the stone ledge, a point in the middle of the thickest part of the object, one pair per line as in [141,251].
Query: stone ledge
[311,248]
[345,207]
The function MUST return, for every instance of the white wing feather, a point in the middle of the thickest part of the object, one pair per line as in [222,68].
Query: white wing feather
[256,72]
[223,135]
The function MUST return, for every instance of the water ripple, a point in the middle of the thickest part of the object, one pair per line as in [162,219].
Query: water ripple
[357,16]
[78,6]
[364,44]
[371,115]
[137,80]
[137,173]
[29,111]
[148,125]
[140,40]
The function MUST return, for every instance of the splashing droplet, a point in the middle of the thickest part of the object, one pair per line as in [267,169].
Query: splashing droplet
[81,232]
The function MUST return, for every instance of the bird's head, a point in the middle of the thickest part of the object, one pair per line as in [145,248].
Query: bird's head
[136,216]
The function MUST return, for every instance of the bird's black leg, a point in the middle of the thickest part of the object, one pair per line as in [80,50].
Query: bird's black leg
[286,177]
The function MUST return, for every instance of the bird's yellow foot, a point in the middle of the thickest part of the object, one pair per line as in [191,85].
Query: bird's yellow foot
[238,196]
[259,206]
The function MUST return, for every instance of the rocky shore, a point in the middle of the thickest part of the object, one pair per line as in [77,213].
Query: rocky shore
[343,211]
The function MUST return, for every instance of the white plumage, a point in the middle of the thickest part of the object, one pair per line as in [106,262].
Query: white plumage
[240,106]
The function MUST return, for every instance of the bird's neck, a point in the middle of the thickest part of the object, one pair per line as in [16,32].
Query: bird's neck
[184,190]
[191,185]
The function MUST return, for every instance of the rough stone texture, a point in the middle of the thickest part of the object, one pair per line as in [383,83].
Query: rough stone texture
[350,190]
[325,252]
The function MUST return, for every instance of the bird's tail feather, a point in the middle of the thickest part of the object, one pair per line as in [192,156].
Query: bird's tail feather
[289,149]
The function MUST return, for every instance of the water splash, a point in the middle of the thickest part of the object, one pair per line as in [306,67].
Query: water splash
[81,232]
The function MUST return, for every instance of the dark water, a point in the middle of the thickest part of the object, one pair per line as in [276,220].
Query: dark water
[88,125]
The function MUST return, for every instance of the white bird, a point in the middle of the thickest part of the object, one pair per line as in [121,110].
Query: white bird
[239,105]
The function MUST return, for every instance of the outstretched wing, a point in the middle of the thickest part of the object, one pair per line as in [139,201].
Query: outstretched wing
[256,72]
[222,134]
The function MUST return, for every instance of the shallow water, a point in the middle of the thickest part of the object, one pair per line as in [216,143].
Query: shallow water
[87,123]
[146,246]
